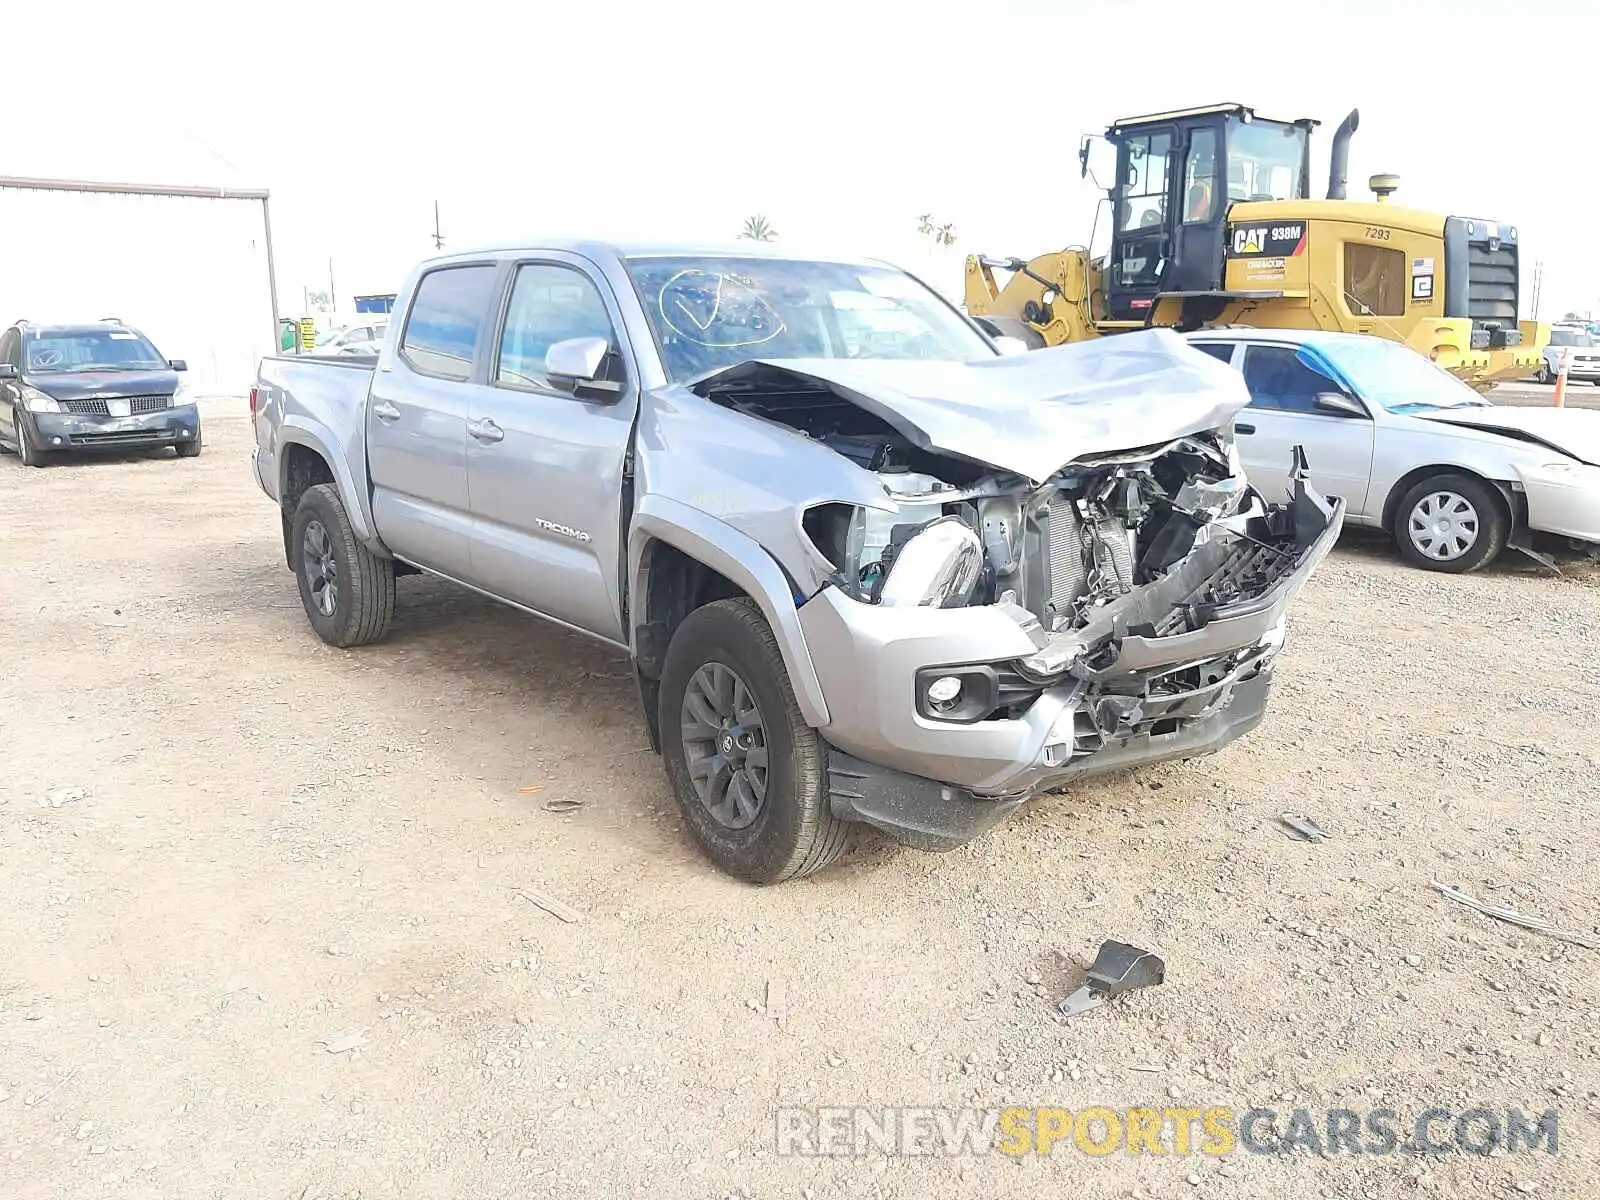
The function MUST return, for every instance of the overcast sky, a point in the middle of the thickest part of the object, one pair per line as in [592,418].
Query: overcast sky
[839,121]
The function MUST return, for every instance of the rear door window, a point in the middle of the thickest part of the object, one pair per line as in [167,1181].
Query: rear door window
[1221,351]
[447,319]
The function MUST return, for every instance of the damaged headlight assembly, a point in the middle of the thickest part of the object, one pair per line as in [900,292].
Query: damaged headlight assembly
[916,556]
[937,567]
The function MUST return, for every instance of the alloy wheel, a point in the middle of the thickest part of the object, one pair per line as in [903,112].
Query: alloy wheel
[725,745]
[322,569]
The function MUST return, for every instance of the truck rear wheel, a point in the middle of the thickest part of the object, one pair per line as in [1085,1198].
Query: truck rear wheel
[748,773]
[347,591]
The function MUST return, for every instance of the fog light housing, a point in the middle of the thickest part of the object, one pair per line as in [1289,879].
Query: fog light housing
[962,695]
[944,693]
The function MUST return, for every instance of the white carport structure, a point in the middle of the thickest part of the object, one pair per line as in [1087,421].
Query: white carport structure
[191,267]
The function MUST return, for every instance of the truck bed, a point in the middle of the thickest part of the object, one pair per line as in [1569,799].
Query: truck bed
[320,403]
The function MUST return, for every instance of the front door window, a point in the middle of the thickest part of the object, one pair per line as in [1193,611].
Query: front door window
[1278,379]
[1144,191]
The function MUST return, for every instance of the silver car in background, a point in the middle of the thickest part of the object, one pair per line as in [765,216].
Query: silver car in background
[360,338]
[1576,345]
[1411,449]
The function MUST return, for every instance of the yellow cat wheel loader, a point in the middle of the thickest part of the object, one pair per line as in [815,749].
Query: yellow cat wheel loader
[1212,224]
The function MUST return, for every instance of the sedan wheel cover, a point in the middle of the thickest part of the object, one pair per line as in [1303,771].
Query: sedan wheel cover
[322,569]
[1443,526]
[725,746]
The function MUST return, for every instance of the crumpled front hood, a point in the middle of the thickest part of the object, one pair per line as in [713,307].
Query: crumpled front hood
[1030,413]
[85,385]
[1574,431]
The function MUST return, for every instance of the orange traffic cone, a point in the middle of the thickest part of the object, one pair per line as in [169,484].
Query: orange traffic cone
[1561,379]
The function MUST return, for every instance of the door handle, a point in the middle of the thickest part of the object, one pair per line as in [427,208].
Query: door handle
[1244,428]
[385,411]
[486,430]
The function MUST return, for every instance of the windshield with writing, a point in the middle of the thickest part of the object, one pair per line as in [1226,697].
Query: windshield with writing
[97,350]
[1399,379]
[1264,160]
[713,312]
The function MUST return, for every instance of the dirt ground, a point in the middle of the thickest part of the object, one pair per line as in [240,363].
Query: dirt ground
[223,845]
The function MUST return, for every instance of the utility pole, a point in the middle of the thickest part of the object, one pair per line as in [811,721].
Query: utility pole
[1538,282]
[438,238]
[333,296]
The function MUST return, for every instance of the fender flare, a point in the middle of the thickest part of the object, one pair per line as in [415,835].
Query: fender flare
[298,430]
[743,560]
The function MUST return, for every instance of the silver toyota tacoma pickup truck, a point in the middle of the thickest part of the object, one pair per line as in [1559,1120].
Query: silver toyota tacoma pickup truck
[867,567]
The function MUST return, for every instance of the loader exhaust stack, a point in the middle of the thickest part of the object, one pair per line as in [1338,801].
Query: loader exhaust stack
[1339,160]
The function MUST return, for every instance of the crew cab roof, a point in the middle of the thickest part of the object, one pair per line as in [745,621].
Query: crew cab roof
[595,249]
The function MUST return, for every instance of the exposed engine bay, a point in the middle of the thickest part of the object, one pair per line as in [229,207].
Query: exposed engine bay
[1124,568]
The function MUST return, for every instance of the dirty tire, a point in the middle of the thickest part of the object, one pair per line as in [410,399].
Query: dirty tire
[1545,374]
[190,449]
[363,604]
[1494,523]
[27,451]
[795,832]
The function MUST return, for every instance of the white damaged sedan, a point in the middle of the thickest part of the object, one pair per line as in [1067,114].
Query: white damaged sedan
[1411,449]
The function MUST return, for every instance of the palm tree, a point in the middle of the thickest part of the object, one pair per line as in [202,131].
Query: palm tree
[942,235]
[757,229]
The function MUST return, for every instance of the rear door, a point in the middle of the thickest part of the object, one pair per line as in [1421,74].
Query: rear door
[544,464]
[417,419]
[1283,413]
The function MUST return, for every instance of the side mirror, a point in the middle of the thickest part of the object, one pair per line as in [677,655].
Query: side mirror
[177,364]
[1083,157]
[1338,402]
[1008,345]
[578,362]
[8,370]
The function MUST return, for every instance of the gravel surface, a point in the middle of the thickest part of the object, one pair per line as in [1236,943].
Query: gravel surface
[263,935]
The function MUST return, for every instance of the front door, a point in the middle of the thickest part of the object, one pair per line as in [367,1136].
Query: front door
[1202,211]
[10,389]
[1141,239]
[545,463]
[1283,413]
[417,420]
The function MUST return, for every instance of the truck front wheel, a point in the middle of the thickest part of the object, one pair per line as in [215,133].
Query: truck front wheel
[348,591]
[748,773]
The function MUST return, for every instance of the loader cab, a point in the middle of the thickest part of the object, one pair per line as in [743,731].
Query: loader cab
[1177,175]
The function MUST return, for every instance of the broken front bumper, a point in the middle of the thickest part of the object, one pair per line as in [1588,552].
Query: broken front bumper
[936,783]
[78,431]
